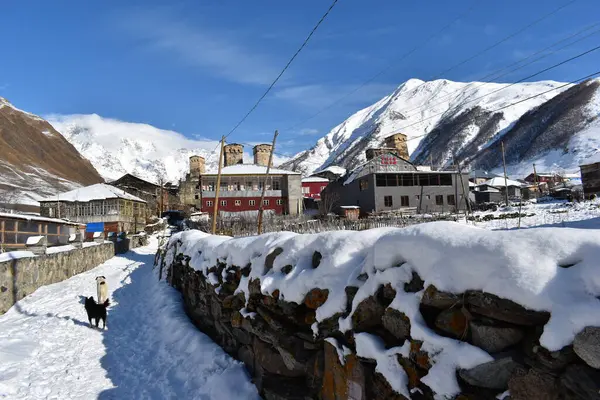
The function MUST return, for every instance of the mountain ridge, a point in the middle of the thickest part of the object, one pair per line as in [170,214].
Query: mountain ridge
[444,120]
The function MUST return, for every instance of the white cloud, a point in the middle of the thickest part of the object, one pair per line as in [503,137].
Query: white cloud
[217,52]
[319,96]
[308,132]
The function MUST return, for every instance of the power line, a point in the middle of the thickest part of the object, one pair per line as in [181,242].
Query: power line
[283,70]
[496,44]
[496,74]
[502,88]
[385,69]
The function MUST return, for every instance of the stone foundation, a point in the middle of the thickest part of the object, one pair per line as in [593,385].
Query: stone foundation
[20,277]
[274,339]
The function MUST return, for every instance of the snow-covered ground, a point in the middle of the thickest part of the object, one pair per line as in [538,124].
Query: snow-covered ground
[150,349]
[584,215]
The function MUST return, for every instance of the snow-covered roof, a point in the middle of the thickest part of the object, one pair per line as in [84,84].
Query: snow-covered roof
[29,217]
[423,168]
[479,173]
[350,207]
[572,176]
[251,169]
[471,184]
[499,181]
[314,179]
[334,169]
[99,191]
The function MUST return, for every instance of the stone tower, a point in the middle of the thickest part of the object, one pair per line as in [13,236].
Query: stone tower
[234,154]
[262,152]
[197,166]
[397,142]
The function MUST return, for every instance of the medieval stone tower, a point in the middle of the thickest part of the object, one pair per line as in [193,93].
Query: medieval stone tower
[398,143]
[234,154]
[262,152]
[197,166]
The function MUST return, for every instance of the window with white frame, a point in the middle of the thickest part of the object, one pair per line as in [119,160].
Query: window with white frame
[238,203]
[223,203]
[252,202]
[279,202]
[209,203]
[265,202]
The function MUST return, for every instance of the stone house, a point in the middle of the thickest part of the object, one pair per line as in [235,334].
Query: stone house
[151,193]
[387,182]
[590,179]
[16,229]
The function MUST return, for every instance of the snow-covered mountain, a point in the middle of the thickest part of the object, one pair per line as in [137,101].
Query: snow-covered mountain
[115,147]
[445,119]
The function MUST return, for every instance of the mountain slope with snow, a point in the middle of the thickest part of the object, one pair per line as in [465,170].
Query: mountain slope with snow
[116,148]
[35,160]
[444,119]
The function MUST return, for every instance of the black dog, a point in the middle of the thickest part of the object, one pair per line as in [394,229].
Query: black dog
[96,311]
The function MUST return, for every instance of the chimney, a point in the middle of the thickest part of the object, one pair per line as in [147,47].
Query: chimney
[197,165]
[234,154]
[397,142]
[262,152]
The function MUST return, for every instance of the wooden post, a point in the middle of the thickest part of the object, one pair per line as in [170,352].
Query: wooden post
[217,188]
[505,178]
[465,196]
[262,196]
[537,185]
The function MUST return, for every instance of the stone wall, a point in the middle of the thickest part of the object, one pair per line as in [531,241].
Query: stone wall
[20,277]
[274,339]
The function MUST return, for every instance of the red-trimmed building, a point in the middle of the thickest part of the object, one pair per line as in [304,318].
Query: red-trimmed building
[313,186]
[242,185]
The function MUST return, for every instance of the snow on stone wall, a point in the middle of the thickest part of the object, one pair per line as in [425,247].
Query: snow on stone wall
[429,311]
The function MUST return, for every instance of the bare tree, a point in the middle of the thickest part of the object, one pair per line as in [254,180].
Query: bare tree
[329,200]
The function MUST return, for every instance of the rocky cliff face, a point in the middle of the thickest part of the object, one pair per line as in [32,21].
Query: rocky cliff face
[36,159]
[452,121]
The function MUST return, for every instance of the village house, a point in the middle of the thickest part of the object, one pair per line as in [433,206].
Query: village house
[480,176]
[388,182]
[102,207]
[16,229]
[241,185]
[157,199]
[493,190]
[313,186]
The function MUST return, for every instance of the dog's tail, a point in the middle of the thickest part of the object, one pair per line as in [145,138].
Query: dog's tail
[106,303]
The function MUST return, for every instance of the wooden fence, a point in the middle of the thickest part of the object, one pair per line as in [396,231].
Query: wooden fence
[239,228]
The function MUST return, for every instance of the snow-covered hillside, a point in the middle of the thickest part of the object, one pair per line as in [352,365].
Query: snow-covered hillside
[443,118]
[116,147]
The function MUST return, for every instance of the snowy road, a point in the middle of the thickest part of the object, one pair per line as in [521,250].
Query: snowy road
[149,351]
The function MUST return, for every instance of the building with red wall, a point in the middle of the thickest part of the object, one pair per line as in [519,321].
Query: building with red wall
[313,186]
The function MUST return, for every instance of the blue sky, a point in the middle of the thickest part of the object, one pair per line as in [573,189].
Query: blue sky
[197,66]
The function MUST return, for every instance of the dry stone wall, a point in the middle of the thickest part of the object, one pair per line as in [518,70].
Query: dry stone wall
[276,340]
[20,277]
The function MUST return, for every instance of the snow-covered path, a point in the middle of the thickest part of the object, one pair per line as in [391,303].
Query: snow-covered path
[149,351]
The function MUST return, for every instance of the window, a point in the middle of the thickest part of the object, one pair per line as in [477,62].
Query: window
[322,188]
[279,202]
[417,197]
[223,203]
[265,202]
[445,179]
[363,184]
[306,190]
[236,186]
[451,200]
[196,197]
[252,202]
[238,203]
[387,201]
[428,197]
[439,200]
[276,184]
[209,203]
[404,201]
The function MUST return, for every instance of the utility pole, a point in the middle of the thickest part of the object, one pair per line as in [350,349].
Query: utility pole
[537,185]
[505,178]
[217,188]
[264,188]
[465,196]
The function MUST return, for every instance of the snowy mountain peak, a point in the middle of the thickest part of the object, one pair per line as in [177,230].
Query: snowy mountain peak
[443,118]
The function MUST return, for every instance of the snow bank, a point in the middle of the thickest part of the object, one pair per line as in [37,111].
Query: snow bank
[14,255]
[551,269]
